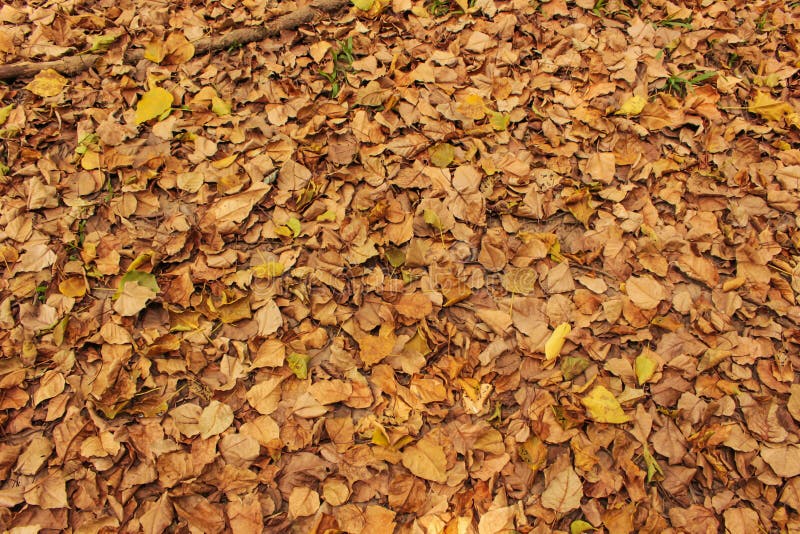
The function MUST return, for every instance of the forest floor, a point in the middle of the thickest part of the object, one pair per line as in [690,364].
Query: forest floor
[419,266]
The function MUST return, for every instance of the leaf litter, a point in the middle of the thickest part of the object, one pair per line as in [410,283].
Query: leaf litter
[528,266]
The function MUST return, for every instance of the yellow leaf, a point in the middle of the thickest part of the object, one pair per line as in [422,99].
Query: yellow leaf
[90,160]
[327,216]
[432,218]
[47,83]
[155,51]
[283,231]
[579,526]
[379,436]
[298,363]
[533,452]
[294,225]
[603,407]
[554,344]
[768,107]
[74,286]
[632,106]
[153,103]
[270,269]
[220,107]
[224,162]
[363,5]
[102,42]
[645,366]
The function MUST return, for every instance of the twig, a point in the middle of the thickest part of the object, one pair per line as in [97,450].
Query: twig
[72,65]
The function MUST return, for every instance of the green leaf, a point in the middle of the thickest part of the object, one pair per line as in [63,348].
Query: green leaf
[432,218]
[298,363]
[572,366]
[142,278]
[363,5]
[653,468]
[442,155]
[579,526]
[499,121]
[220,107]
[5,112]
[294,226]
[395,256]
[102,42]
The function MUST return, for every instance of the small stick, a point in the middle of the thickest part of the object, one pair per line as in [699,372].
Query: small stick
[72,65]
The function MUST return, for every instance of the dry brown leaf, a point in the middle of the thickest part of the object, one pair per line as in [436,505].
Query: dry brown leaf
[215,419]
[303,502]
[645,291]
[426,459]
[564,491]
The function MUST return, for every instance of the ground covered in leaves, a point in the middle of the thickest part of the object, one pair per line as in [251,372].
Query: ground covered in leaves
[427,266]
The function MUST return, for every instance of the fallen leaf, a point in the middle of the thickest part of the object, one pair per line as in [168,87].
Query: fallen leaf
[442,154]
[426,459]
[363,5]
[215,419]
[47,83]
[154,103]
[632,106]
[554,344]
[645,291]
[564,491]
[520,281]
[603,407]
[74,286]
[303,502]
[298,363]
[784,460]
[769,108]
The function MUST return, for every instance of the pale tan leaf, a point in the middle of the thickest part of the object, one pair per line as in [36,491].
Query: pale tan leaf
[426,459]
[564,491]
[645,291]
[303,502]
[215,419]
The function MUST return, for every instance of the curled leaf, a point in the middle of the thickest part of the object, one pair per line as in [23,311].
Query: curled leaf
[554,344]
[298,363]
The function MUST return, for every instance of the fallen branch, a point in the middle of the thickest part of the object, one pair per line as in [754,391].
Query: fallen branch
[72,65]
